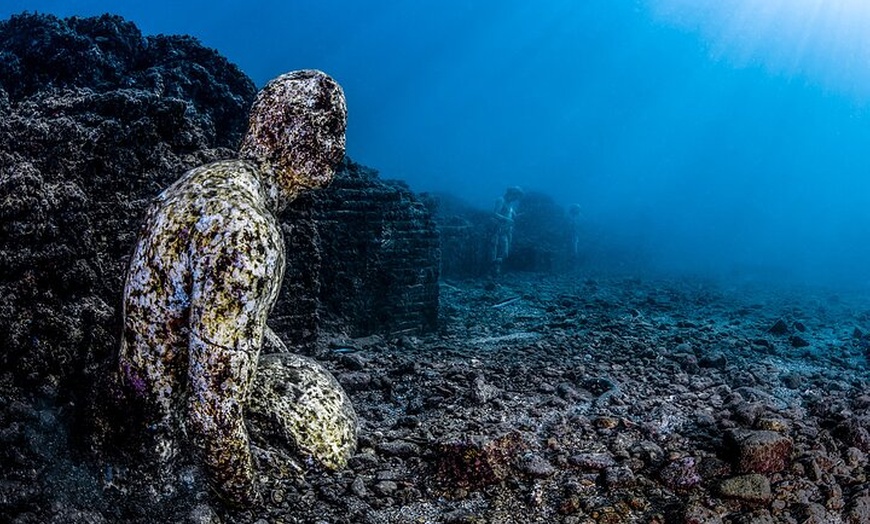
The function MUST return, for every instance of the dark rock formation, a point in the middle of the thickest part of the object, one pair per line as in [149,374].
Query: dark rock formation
[97,120]
[41,53]
[477,462]
[779,328]
[758,451]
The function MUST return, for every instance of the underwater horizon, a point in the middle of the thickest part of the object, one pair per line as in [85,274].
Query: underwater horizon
[725,139]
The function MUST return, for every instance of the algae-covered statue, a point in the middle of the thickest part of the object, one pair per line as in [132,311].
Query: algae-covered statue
[204,276]
[504,214]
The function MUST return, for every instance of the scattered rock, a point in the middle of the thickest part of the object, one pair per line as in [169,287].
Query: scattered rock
[758,451]
[399,448]
[477,461]
[761,516]
[353,362]
[386,488]
[798,341]
[779,328]
[459,516]
[536,466]
[777,424]
[356,381]
[681,474]
[618,477]
[814,513]
[592,461]
[715,360]
[698,514]
[203,514]
[481,392]
[855,432]
[792,380]
[649,452]
[599,385]
[858,511]
[358,487]
[369,343]
[751,488]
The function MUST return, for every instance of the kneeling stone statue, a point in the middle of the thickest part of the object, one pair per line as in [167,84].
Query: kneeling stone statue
[203,278]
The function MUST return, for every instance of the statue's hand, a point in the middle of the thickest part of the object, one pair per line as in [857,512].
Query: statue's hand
[272,343]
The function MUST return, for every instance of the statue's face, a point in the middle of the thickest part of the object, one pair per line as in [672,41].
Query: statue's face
[297,126]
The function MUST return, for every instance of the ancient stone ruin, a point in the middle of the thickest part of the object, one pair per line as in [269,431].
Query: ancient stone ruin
[540,238]
[363,258]
[95,120]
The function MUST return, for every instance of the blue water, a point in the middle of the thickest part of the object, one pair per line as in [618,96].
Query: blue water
[729,137]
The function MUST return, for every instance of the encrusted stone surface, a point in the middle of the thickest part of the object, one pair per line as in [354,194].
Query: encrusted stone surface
[478,461]
[296,402]
[758,451]
[304,148]
[753,487]
[206,272]
[202,280]
[378,253]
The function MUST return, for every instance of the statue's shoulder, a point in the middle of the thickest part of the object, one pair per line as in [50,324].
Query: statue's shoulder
[216,173]
[221,179]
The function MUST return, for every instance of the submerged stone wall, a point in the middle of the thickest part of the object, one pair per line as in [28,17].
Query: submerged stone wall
[378,252]
[541,235]
[383,268]
[465,237]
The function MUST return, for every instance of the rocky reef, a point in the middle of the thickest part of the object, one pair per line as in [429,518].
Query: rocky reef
[96,120]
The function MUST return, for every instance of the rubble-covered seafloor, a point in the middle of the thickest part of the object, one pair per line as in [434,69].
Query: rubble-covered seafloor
[606,400]
[577,397]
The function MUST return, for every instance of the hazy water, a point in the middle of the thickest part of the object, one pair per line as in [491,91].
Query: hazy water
[730,137]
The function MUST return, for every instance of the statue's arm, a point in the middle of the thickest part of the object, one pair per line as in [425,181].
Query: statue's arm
[233,291]
[272,343]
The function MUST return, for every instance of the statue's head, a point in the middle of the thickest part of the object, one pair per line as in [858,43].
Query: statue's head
[513,194]
[296,130]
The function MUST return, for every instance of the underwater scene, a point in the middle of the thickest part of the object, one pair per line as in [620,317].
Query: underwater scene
[463,262]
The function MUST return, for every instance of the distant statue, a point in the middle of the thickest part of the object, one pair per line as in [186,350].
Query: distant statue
[504,214]
[207,270]
[575,217]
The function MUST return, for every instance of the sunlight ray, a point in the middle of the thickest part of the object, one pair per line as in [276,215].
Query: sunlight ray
[824,42]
